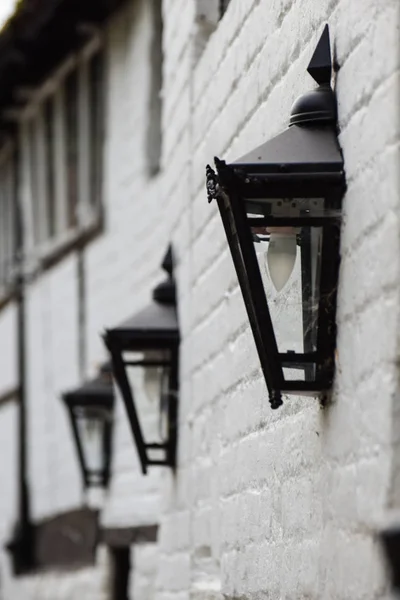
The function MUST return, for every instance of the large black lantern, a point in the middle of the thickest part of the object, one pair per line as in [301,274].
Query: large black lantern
[90,409]
[144,354]
[281,210]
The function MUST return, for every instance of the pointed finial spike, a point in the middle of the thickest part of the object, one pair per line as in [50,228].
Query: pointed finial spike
[168,261]
[320,67]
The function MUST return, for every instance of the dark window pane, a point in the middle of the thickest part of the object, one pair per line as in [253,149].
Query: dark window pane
[96,112]
[72,145]
[49,157]
[3,212]
[34,180]
[7,207]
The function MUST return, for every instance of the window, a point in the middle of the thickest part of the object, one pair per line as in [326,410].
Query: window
[7,221]
[49,141]
[71,115]
[62,135]
[96,133]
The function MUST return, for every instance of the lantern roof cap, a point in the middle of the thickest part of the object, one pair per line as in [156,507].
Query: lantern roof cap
[165,292]
[297,149]
[319,105]
[157,324]
[152,327]
[95,392]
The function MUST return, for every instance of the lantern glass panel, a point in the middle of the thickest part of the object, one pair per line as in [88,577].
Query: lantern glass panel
[150,387]
[289,260]
[91,423]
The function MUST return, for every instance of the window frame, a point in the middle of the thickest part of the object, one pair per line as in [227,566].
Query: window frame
[43,249]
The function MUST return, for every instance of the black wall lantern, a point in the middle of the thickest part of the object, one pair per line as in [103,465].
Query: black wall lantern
[281,209]
[144,353]
[90,409]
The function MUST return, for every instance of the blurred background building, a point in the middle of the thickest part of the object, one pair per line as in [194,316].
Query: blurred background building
[109,112]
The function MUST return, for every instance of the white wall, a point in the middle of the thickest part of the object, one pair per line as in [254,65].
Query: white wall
[8,493]
[52,350]
[89,583]
[123,266]
[112,274]
[284,504]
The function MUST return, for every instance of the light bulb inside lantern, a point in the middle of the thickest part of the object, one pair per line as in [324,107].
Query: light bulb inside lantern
[281,255]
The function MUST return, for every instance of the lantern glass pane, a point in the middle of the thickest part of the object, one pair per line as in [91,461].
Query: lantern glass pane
[150,388]
[91,423]
[289,260]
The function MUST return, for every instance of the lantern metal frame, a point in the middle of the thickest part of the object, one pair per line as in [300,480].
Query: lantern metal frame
[304,161]
[153,329]
[97,393]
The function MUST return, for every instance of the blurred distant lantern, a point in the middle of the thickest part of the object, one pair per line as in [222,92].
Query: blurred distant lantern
[144,353]
[91,412]
[281,210]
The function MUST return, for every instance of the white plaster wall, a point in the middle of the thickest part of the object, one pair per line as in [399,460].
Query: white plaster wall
[278,505]
[114,271]
[8,433]
[52,350]
[123,265]
[8,486]
[89,583]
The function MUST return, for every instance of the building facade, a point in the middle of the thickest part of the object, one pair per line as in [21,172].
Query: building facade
[105,137]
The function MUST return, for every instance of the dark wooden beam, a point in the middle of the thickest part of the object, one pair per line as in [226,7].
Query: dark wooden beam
[120,537]
[41,35]
[66,541]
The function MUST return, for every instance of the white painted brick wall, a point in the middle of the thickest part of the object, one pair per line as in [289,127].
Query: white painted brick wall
[280,502]
[143,577]
[281,505]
